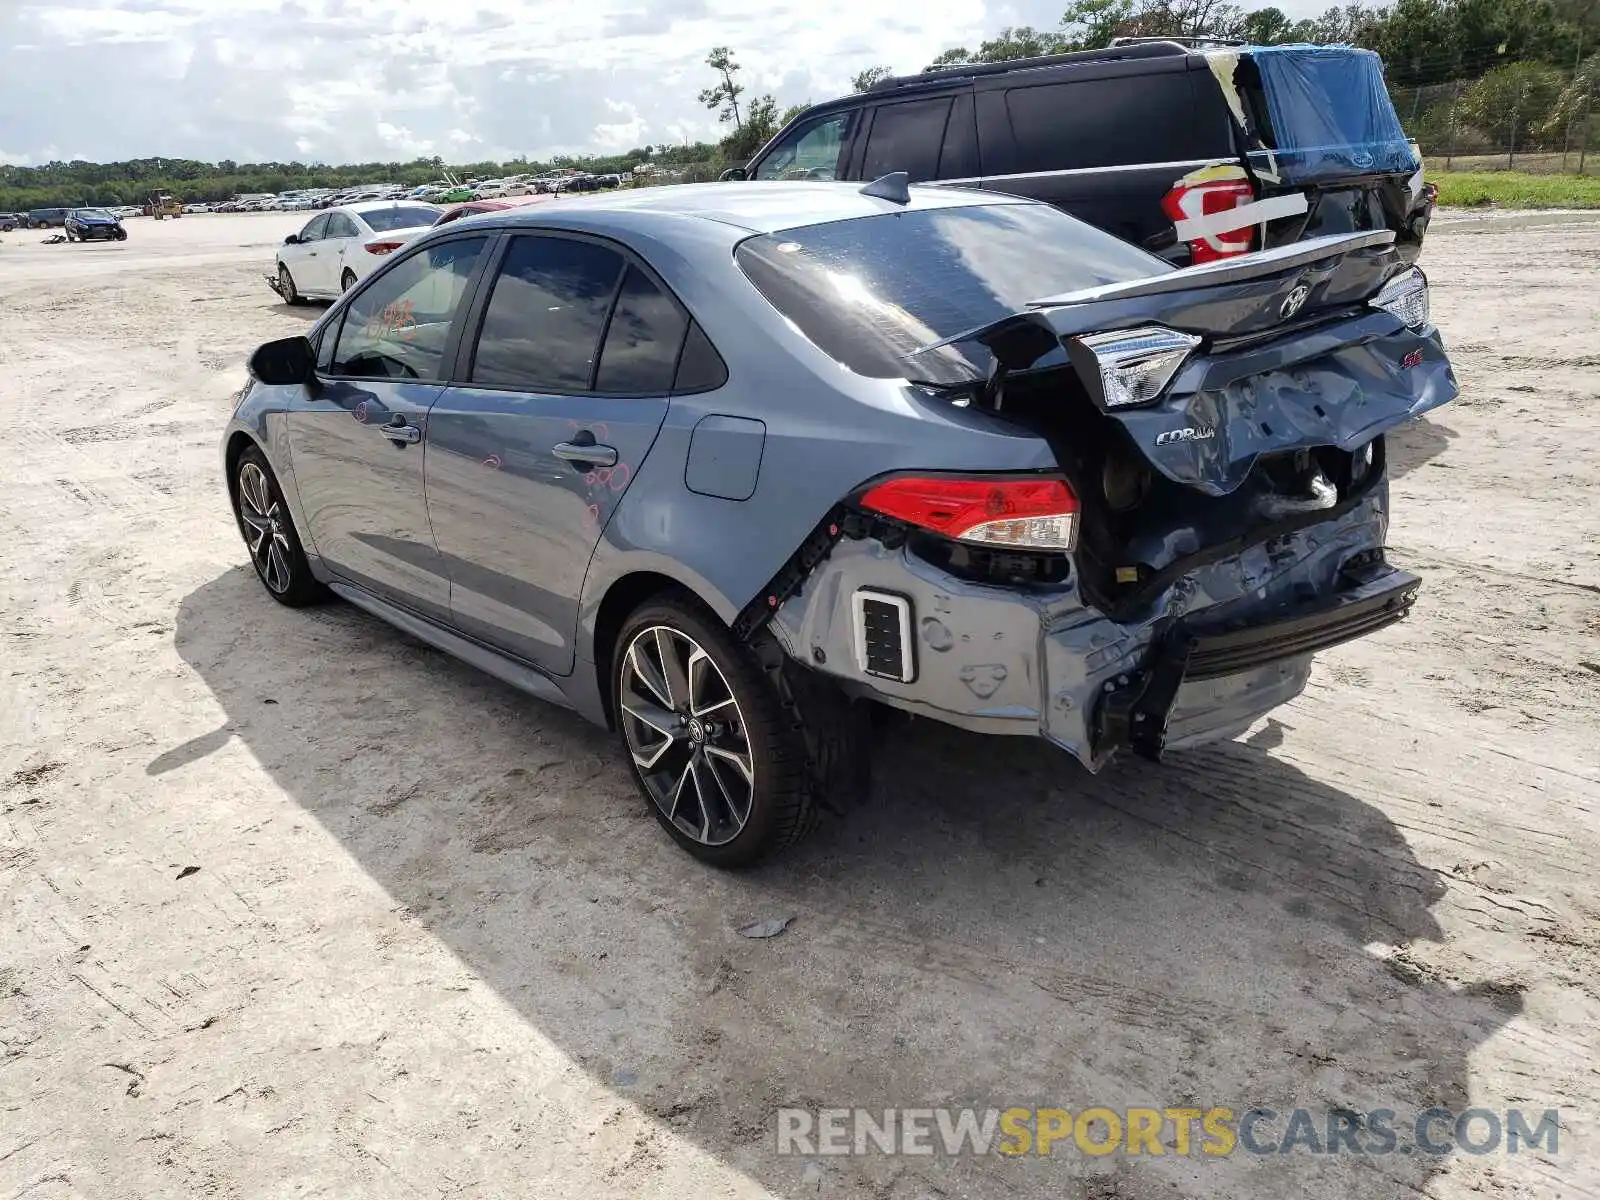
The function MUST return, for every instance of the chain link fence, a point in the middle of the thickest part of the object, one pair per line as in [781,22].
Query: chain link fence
[1520,117]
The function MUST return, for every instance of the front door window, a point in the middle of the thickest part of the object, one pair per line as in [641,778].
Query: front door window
[810,152]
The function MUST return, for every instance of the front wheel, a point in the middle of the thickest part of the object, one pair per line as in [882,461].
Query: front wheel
[286,288]
[269,533]
[720,762]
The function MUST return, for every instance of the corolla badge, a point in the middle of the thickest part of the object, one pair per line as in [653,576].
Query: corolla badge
[1294,302]
[1189,433]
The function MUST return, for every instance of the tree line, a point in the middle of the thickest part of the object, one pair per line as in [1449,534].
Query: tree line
[84,184]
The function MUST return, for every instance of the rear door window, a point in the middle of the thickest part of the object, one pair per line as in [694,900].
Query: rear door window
[906,137]
[959,157]
[341,226]
[546,315]
[813,151]
[1112,122]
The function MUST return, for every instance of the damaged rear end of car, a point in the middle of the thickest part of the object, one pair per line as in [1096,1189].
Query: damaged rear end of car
[1217,514]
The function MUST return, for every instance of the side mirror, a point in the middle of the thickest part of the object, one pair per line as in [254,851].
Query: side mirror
[292,240]
[285,362]
[733,175]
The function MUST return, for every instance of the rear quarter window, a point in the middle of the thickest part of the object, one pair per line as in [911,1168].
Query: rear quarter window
[1116,122]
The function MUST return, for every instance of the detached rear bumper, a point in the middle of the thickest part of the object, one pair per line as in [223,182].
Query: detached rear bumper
[1200,683]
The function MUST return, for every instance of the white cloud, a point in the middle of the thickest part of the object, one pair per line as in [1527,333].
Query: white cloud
[356,80]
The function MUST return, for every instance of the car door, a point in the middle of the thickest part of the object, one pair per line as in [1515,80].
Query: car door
[343,234]
[562,394]
[360,436]
[301,257]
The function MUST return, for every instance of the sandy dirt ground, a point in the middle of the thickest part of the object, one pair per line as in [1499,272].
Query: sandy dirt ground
[294,906]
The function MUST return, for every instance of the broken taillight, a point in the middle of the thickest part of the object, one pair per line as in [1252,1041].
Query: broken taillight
[1022,512]
[1405,296]
[1130,366]
[382,247]
[1191,201]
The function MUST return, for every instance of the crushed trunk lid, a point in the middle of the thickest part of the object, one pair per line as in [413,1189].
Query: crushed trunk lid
[1288,355]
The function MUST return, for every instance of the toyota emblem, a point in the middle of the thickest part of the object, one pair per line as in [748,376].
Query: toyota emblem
[1294,302]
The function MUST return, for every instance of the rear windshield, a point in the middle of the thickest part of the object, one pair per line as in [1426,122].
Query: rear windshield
[1325,112]
[382,220]
[871,290]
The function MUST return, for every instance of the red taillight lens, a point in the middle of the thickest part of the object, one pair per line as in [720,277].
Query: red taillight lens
[383,247]
[1186,202]
[1019,512]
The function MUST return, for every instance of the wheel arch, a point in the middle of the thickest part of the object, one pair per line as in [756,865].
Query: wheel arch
[238,442]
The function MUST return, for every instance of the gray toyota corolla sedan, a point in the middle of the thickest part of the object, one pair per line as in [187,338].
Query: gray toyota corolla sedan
[719,465]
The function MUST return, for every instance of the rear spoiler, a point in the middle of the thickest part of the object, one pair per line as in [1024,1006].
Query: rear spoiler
[1022,329]
[1227,270]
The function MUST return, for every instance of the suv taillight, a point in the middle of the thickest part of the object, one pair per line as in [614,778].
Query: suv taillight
[1018,512]
[1189,201]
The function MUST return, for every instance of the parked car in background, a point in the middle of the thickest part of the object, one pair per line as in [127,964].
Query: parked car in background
[647,456]
[1194,151]
[46,218]
[94,225]
[473,207]
[8,222]
[339,247]
[196,208]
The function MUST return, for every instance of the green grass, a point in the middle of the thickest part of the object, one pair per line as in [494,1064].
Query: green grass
[1514,189]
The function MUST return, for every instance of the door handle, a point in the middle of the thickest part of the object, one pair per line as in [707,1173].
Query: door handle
[397,430]
[579,452]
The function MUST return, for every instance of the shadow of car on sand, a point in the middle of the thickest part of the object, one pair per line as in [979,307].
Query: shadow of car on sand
[995,928]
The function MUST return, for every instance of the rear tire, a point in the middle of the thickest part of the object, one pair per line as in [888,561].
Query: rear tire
[720,760]
[286,288]
[347,280]
[269,533]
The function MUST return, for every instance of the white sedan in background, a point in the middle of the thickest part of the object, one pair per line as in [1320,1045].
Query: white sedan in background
[342,246]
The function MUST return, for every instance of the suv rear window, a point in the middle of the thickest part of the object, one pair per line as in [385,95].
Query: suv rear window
[869,291]
[1116,122]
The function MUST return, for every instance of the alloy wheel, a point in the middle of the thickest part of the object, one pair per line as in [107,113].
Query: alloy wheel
[264,523]
[687,735]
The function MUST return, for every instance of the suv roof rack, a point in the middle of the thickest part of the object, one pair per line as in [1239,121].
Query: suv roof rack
[1203,39]
[939,72]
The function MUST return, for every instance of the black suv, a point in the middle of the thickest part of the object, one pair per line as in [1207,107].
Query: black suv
[1196,150]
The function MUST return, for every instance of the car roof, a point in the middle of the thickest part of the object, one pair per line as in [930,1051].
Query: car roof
[753,207]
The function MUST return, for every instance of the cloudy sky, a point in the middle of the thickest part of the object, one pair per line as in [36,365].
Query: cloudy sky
[357,80]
